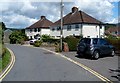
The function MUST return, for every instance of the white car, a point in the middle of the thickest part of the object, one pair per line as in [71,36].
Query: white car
[33,41]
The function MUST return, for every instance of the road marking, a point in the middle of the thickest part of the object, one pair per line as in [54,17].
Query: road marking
[7,70]
[83,66]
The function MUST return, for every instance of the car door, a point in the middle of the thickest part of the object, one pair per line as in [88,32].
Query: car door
[104,46]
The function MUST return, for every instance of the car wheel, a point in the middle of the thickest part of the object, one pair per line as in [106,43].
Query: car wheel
[96,55]
[113,53]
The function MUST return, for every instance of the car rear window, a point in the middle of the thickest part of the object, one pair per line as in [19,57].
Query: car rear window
[86,41]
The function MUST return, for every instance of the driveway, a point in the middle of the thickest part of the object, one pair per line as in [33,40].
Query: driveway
[106,66]
[33,64]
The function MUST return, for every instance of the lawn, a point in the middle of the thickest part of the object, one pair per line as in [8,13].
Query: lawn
[4,61]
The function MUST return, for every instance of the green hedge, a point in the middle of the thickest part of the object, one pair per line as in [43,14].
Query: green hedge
[115,42]
[17,37]
[72,42]
[48,39]
[51,40]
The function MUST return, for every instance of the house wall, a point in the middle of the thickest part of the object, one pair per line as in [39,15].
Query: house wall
[45,31]
[87,30]
[33,33]
[55,33]
[92,31]
[73,31]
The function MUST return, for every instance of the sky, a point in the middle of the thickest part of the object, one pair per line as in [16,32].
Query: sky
[23,13]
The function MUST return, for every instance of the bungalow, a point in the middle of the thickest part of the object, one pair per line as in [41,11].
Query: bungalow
[39,28]
[78,23]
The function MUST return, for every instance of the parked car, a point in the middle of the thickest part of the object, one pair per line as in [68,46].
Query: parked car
[95,47]
[33,41]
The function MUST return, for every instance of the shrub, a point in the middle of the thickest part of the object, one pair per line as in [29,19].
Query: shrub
[3,51]
[37,43]
[47,38]
[72,42]
[115,42]
[17,37]
[57,47]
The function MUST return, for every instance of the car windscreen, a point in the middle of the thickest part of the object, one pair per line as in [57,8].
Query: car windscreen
[86,41]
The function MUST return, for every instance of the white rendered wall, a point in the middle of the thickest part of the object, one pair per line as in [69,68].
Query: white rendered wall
[56,33]
[92,31]
[28,33]
[43,31]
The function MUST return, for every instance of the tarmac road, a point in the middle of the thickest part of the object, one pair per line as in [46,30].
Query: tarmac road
[33,64]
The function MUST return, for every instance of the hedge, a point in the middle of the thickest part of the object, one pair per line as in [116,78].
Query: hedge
[72,42]
[114,42]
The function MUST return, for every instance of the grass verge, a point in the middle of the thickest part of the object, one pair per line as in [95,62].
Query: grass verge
[4,61]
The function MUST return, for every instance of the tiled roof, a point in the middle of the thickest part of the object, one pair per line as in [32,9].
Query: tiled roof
[77,17]
[113,29]
[42,23]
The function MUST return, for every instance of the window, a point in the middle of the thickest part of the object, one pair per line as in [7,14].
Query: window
[95,41]
[58,28]
[69,28]
[39,29]
[103,42]
[30,30]
[85,40]
[76,27]
[53,29]
[35,30]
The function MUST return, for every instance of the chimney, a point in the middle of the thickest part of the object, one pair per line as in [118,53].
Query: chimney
[42,17]
[74,9]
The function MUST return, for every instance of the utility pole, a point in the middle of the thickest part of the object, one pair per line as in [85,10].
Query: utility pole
[61,30]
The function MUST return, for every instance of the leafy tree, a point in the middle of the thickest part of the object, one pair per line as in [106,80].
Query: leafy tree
[17,37]
[2,28]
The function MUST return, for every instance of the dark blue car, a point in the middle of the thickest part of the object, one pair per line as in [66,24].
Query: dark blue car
[95,47]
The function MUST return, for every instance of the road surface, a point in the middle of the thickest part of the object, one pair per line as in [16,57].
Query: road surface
[35,64]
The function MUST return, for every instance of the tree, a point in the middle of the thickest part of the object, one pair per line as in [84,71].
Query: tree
[2,28]
[17,37]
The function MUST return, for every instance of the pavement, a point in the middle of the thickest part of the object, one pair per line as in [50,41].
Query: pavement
[36,64]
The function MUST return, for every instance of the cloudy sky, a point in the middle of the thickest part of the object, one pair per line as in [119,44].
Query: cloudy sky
[21,14]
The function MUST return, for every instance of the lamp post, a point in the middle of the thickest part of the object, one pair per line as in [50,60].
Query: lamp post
[61,32]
